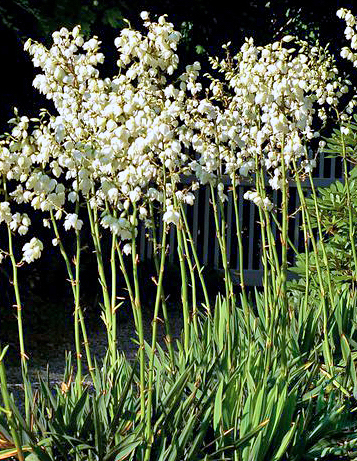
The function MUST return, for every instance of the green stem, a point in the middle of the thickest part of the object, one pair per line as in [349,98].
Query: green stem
[307,262]
[269,258]
[198,266]
[72,281]
[138,317]
[324,254]
[240,251]
[114,298]
[268,282]
[163,300]
[126,277]
[93,220]
[6,398]
[193,280]
[184,291]
[23,356]
[327,351]
[273,257]
[148,429]
[15,283]
[76,314]
[220,233]
[351,230]
[284,259]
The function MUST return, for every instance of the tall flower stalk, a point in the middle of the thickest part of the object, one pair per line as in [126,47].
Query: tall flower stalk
[240,245]
[158,299]
[75,292]
[15,283]
[9,414]
[323,295]
[351,224]
[138,316]
[157,246]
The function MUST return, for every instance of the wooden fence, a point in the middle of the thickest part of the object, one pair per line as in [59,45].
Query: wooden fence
[201,220]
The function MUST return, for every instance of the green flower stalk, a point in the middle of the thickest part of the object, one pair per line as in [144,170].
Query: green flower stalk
[321,236]
[270,258]
[113,303]
[324,303]
[351,224]
[23,355]
[76,314]
[220,224]
[163,300]
[193,280]
[184,290]
[148,427]
[75,294]
[198,267]
[240,246]
[221,236]
[6,399]
[183,271]
[282,294]
[107,314]
[15,283]
[138,315]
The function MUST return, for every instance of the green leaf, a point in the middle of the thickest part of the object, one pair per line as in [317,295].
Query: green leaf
[3,353]
[32,457]
[285,442]
[244,440]
[217,414]
[127,449]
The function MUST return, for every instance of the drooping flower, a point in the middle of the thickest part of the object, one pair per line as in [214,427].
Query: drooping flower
[32,250]
[171,216]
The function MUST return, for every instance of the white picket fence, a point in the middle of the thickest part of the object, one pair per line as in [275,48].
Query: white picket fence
[201,220]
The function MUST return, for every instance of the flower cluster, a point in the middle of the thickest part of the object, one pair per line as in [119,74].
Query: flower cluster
[32,250]
[350,34]
[17,221]
[265,203]
[261,115]
[118,142]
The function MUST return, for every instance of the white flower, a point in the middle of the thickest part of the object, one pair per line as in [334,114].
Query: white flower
[72,196]
[143,212]
[134,195]
[5,213]
[127,248]
[71,220]
[189,198]
[341,13]
[16,220]
[171,216]
[32,250]
[267,204]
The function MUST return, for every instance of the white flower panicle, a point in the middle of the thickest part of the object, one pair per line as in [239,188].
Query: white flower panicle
[112,137]
[350,34]
[265,111]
